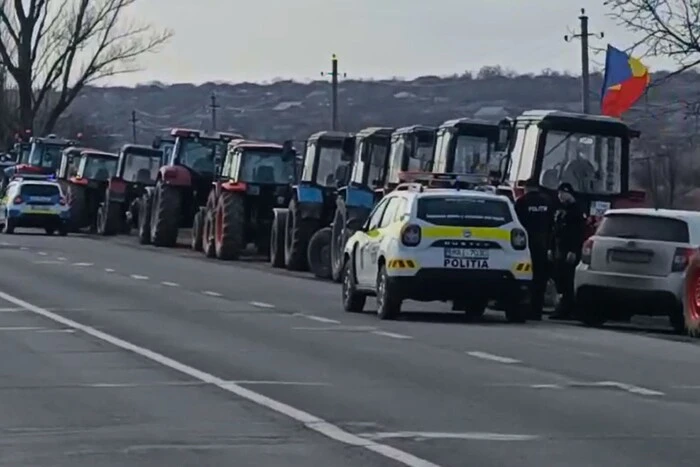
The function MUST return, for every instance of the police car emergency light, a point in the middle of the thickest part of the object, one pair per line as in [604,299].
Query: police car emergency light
[41,177]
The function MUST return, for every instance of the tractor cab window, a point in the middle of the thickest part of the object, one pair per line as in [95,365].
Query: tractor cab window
[24,151]
[72,163]
[375,157]
[199,154]
[99,168]
[45,155]
[398,149]
[592,164]
[141,167]
[333,163]
[421,156]
[266,167]
[472,154]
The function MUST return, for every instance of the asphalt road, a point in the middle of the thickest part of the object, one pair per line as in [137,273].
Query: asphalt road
[117,354]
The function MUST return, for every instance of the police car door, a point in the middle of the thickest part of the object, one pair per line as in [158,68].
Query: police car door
[366,244]
[378,239]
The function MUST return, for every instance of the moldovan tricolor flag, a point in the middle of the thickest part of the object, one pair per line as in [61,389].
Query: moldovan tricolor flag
[625,81]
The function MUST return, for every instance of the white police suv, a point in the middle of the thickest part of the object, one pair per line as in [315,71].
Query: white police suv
[34,201]
[427,244]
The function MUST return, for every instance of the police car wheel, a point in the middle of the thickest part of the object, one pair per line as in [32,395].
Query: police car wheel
[353,301]
[388,298]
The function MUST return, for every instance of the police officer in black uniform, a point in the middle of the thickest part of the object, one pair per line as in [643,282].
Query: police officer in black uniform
[535,212]
[565,252]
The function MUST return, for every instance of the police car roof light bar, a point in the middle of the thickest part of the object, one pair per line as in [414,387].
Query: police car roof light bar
[34,177]
[446,180]
[410,187]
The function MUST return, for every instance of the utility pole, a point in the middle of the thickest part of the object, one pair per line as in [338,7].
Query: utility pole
[584,34]
[334,91]
[133,126]
[213,106]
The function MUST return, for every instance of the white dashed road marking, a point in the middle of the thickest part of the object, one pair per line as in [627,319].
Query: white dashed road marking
[62,258]
[23,248]
[631,388]
[109,270]
[139,278]
[170,284]
[262,304]
[57,331]
[211,293]
[393,335]
[47,262]
[492,357]
[310,421]
[83,264]
[42,253]
[10,310]
[321,319]
[20,328]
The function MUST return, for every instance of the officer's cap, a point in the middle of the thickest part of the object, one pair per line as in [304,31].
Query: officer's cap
[566,188]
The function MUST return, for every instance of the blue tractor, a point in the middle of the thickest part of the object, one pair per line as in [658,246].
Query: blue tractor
[43,157]
[326,168]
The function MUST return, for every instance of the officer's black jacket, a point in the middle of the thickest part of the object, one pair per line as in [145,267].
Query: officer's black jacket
[535,211]
[569,229]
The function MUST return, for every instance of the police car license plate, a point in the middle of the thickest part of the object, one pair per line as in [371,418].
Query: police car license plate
[466,258]
[466,253]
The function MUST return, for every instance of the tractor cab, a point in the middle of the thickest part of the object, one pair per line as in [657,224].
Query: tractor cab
[369,168]
[591,152]
[469,146]
[70,160]
[44,156]
[95,168]
[327,159]
[412,150]
[138,164]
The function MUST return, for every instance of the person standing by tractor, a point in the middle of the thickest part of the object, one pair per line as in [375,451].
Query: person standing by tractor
[565,251]
[535,212]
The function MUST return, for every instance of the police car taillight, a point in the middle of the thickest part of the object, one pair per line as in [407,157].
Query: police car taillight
[411,235]
[587,251]
[518,239]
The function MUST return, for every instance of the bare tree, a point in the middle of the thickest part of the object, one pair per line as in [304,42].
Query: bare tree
[54,48]
[665,28]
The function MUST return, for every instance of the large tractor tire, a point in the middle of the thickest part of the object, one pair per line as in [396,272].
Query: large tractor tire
[277,239]
[297,234]
[691,297]
[165,217]
[229,226]
[344,226]
[319,253]
[197,230]
[77,205]
[109,218]
[144,220]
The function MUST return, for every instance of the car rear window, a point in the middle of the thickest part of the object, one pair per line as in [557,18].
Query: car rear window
[464,211]
[39,190]
[662,229]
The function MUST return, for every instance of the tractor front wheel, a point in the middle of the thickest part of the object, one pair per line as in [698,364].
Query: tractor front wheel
[298,232]
[229,224]
[165,218]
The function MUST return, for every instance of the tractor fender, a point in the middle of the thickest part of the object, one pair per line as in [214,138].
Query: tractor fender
[116,190]
[175,176]
[359,197]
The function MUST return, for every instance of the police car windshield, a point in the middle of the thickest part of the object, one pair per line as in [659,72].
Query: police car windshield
[45,155]
[36,189]
[198,154]
[592,164]
[463,211]
[472,154]
[329,163]
[266,167]
[100,168]
[141,168]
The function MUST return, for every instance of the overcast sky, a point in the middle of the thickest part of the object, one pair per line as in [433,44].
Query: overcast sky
[260,40]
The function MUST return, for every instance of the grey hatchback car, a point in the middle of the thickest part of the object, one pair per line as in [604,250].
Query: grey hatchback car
[635,264]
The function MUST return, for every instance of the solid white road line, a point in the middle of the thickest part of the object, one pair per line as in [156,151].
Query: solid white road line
[57,331]
[475,436]
[20,328]
[138,277]
[170,284]
[262,304]
[631,388]
[211,293]
[310,421]
[393,335]
[492,357]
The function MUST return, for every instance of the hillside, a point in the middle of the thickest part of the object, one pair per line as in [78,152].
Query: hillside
[287,109]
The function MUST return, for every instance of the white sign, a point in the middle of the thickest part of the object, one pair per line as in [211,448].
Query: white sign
[463,263]
[598,208]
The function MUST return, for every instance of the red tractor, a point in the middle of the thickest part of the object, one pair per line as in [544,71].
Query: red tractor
[182,185]
[591,152]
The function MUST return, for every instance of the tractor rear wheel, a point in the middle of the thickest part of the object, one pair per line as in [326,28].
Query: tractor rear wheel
[344,226]
[165,217]
[109,218]
[319,255]
[144,220]
[297,234]
[77,203]
[197,230]
[277,238]
[229,225]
